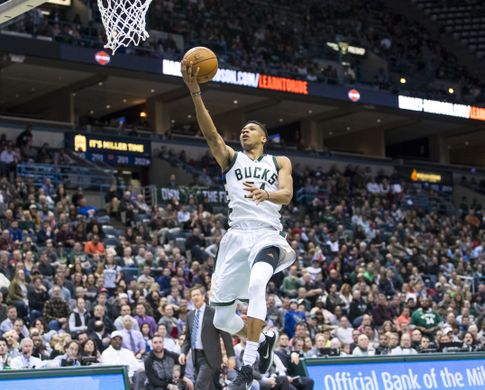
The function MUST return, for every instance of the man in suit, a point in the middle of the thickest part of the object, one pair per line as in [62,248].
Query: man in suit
[203,338]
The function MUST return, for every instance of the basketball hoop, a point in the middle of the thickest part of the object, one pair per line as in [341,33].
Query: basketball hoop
[124,22]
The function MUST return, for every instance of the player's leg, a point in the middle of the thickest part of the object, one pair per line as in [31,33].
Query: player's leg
[230,283]
[226,319]
[262,270]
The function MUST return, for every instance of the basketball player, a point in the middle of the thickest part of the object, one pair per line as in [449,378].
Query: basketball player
[254,248]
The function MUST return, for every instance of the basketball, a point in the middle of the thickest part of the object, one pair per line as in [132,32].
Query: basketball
[206,60]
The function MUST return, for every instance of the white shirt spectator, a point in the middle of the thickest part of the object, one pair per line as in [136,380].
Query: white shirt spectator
[403,351]
[21,362]
[7,156]
[183,216]
[121,357]
[171,345]
[359,352]
[373,187]
[7,325]
[344,335]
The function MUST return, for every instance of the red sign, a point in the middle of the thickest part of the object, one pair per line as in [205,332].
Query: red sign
[354,95]
[283,84]
[477,113]
[102,58]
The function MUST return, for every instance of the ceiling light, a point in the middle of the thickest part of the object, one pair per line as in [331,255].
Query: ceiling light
[402,80]
[379,120]
[235,102]
[330,133]
[143,115]
[108,106]
[100,84]
[152,90]
[172,121]
[189,116]
[310,112]
[124,100]
[467,143]
[348,128]
[91,112]
[281,119]
[451,91]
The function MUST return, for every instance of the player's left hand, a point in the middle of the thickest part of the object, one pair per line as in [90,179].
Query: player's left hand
[257,194]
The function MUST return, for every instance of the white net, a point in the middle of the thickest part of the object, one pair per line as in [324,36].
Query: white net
[124,22]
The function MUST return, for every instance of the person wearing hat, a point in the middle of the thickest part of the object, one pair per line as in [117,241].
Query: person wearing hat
[116,355]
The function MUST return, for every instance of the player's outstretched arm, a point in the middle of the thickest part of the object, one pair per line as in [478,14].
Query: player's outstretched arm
[221,152]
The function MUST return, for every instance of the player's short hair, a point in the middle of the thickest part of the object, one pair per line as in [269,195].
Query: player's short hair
[260,124]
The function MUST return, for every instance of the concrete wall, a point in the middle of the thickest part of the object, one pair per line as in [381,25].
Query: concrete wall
[369,142]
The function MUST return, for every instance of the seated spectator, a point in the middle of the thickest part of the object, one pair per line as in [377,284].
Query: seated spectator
[94,246]
[142,317]
[79,318]
[56,310]
[26,360]
[71,358]
[116,355]
[132,339]
[363,348]
[17,293]
[89,353]
[405,347]
[344,331]
[4,358]
[169,342]
[160,357]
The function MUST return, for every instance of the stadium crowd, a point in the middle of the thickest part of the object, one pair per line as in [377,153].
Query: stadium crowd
[298,33]
[376,274]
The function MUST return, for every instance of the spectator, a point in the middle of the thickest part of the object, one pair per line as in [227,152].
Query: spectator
[26,360]
[56,310]
[132,339]
[115,354]
[79,318]
[4,358]
[141,318]
[405,347]
[425,319]
[94,246]
[160,366]
[363,348]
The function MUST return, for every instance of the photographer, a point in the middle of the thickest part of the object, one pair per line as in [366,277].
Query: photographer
[162,371]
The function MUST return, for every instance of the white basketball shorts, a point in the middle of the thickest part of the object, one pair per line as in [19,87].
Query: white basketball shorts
[237,252]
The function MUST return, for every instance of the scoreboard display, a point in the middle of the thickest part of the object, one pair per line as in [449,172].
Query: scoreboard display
[111,150]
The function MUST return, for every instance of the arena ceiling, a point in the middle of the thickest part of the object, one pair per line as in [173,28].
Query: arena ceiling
[97,91]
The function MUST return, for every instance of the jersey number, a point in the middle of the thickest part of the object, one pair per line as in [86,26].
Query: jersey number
[252,182]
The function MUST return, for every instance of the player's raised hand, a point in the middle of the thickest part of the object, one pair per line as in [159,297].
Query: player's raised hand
[189,74]
[256,193]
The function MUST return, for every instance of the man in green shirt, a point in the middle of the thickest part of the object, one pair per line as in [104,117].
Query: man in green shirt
[425,319]
[291,283]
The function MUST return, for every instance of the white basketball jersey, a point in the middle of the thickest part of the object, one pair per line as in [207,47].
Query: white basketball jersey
[243,210]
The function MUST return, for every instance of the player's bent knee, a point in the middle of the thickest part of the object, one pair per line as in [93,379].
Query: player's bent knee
[227,321]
